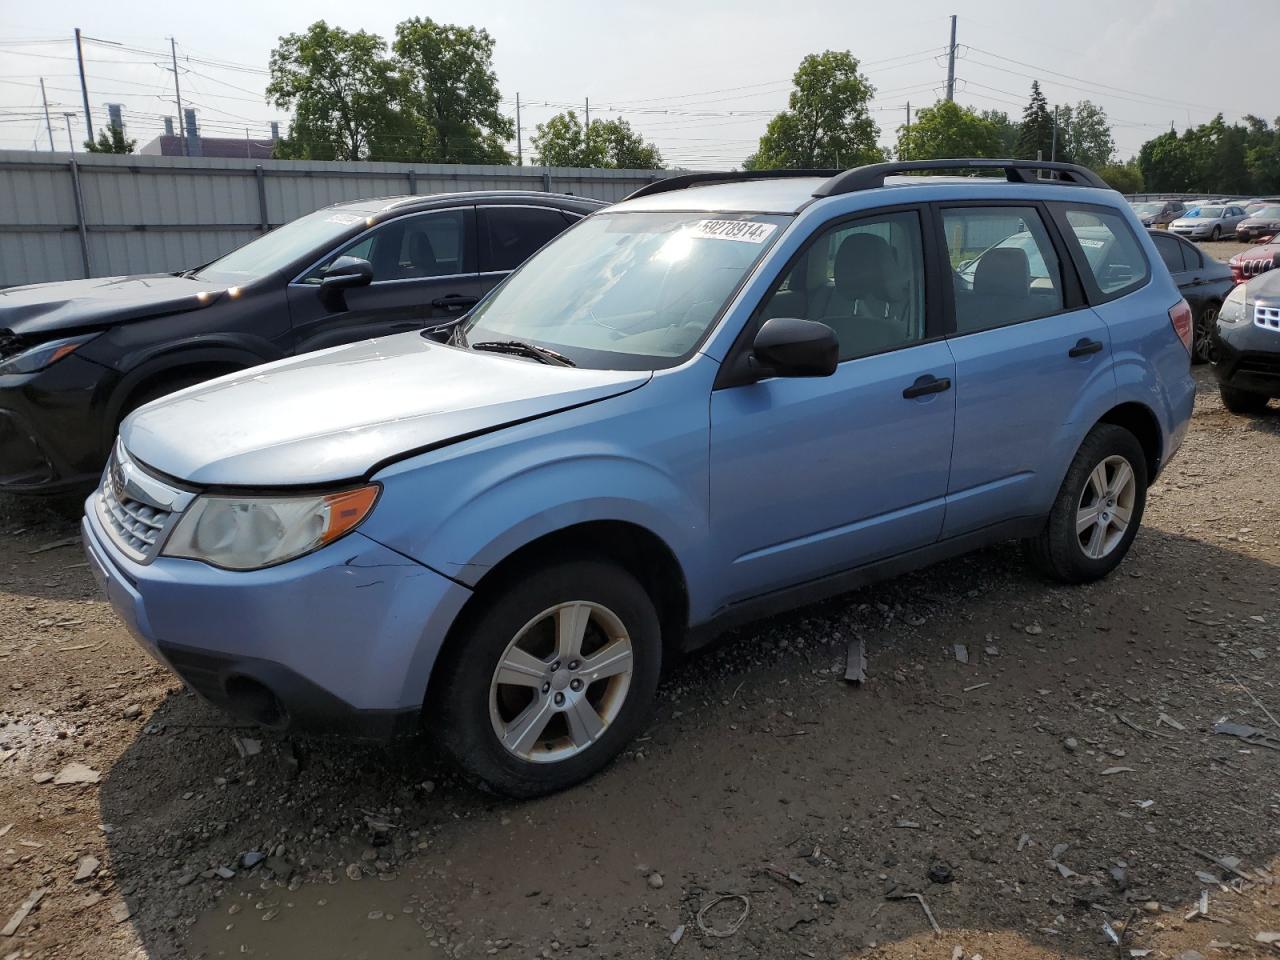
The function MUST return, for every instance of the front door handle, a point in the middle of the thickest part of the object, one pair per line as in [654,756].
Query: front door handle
[926,385]
[1084,346]
[454,301]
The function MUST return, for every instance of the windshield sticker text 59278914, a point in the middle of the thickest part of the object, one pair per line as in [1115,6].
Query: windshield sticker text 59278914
[746,231]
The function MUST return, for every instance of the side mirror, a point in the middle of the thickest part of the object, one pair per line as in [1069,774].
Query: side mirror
[789,347]
[347,272]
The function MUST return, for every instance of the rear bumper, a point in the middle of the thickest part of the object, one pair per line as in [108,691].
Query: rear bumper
[340,641]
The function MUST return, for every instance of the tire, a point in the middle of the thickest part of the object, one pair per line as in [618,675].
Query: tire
[1202,334]
[518,624]
[1215,234]
[1064,550]
[1242,401]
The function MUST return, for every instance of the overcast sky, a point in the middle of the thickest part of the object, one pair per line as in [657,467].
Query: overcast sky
[699,77]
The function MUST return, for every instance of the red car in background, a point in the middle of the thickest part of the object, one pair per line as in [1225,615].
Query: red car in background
[1255,260]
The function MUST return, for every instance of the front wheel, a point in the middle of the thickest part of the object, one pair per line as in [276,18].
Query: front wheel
[1202,341]
[551,679]
[1215,233]
[1242,401]
[1098,509]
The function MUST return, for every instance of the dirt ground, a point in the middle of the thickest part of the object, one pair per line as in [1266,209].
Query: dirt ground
[1066,777]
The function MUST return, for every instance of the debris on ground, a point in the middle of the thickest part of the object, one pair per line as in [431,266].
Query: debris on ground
[732,927]
[75,773]
[855,668]
[919,898]
[20,914]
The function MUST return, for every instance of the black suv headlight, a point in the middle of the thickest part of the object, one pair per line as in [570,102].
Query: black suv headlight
[1235,308]
[43,355]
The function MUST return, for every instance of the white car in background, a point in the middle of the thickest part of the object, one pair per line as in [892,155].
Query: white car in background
[1208,222]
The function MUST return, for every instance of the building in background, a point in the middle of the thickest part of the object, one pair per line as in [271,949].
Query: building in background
[169,144]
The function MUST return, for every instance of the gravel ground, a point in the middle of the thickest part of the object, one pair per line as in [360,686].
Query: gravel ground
[1068,774]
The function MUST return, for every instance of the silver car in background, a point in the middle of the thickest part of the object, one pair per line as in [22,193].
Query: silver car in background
[1208,222]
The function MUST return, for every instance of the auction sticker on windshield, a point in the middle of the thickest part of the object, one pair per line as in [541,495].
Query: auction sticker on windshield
[746,231]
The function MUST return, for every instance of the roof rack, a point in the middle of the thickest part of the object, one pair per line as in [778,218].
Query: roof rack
[1016,171]
[687,180]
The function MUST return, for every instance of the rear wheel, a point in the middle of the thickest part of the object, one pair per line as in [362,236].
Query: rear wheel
[552,678]
[1098,509]
[1242,401]
[1202,342]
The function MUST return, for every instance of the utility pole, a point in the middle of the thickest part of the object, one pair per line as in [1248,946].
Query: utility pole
[70,142]
[908,136]
[1053,142]
[587,124]
[951,62]
[47,122]
[84,89]
[177,90]
[519,141]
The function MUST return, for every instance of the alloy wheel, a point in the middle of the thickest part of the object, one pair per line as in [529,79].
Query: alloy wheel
[1202,346]
[1105,507]
[561,681]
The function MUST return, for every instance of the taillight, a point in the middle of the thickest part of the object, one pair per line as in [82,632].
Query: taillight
[1180,317]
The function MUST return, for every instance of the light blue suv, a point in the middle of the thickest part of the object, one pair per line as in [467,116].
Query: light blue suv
[727,395]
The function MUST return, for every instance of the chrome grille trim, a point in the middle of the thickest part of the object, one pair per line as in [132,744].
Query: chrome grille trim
[1268,318]
[136,509]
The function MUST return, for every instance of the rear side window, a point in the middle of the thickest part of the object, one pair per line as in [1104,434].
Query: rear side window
[511,235]
[1003,264]
[1170,251]
[1111,255]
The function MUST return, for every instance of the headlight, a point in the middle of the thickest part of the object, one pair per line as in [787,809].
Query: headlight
[1233,308]
[248,533]
[44,354]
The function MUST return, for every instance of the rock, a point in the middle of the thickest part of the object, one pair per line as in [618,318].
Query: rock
[251,859]
[121,912]
[940,872]
[91,899]
[353,871]
[87,867]
[42,777]
[185,880]
[226,873]
[1034,629]
[655,880]
[246,746]
[1191,955]
[1071,744]
[281,867]
[76,773]
[132,711]
[676,935]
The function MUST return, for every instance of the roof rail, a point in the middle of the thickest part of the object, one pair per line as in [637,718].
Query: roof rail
[684,181]
[1016,171]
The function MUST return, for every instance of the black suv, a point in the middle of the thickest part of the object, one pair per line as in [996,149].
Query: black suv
[77,356]
[1246,356]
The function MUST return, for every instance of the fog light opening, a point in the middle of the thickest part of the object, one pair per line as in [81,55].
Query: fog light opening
[251,700]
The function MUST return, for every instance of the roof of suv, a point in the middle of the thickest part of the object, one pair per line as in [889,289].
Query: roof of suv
[401,204]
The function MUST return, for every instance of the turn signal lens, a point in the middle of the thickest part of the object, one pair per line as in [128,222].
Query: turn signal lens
[249,533]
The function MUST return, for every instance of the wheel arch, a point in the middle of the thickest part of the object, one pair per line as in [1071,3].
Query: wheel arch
[1142,422]
[633,547]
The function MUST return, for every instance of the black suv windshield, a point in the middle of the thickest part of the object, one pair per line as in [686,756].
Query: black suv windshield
[281,247]
[627,291]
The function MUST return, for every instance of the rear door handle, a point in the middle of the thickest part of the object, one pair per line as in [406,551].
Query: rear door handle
[454,301]
[1084,346]
[926,385]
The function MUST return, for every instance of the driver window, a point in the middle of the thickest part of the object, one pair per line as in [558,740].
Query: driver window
[410,248]
[863,279]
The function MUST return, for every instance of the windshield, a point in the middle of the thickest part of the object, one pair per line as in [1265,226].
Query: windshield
[1267,213]
[281,247]
[627,291]
[1208,213]
[1144,209]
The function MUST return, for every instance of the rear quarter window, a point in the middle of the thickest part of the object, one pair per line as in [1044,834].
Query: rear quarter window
[1108,254]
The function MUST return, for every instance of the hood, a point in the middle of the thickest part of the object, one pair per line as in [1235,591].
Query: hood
[336,414]
[45,308]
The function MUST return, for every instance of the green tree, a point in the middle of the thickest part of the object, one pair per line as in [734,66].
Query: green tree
[1262,155]
[347,97]
[827,123]
[1085,131]
[1035,135]
[948,130]
[1125,177]
[110,140]
[1166,164]
[563,142]
[453,92]
[1009,131]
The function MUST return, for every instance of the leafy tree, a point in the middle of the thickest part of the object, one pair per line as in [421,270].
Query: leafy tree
[1009,131]
[346,96]
[1085,131]
[1035,135]
[1166,164]
[563,142]
[452,92]
[827,123]
[948,130]
[1125,177]
[1262,154]
[110,140]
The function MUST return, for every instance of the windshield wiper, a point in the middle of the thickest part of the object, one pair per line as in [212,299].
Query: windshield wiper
[521,349]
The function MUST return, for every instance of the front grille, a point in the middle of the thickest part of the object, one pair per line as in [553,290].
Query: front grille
[1268,318]
[1255,265]
[135,508]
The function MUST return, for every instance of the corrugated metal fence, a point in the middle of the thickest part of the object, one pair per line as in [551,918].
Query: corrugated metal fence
[65,216]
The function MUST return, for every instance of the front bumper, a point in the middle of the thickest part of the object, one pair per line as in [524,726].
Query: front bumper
[340,641]
[1247,357]
[53,432]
